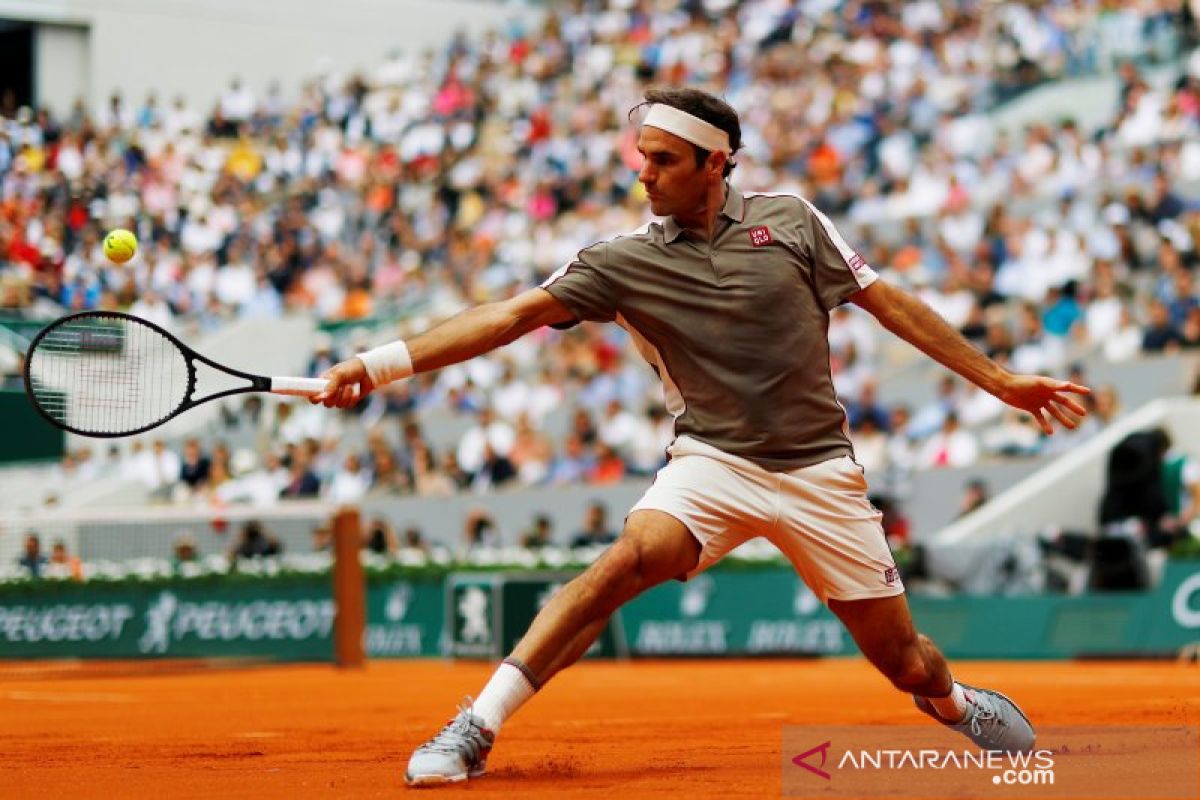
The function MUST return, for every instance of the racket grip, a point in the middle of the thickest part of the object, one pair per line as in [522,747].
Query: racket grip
[300,387]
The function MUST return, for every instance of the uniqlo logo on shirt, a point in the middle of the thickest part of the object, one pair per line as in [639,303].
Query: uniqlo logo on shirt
[760,236]
[857,262]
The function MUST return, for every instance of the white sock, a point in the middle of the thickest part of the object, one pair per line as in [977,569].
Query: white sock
[506,691]
[952,707]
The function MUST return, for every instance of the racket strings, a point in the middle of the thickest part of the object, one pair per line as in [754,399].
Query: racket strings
[107,375]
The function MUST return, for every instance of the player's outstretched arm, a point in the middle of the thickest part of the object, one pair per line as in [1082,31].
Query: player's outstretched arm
[474,332]
[918,324]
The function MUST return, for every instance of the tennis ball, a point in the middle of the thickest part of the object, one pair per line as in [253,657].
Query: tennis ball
[120,245]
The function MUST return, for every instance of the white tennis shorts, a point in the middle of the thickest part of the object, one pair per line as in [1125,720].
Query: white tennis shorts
[818,515]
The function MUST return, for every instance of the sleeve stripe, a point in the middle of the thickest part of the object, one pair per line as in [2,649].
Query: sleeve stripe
[558,273]
[862,272]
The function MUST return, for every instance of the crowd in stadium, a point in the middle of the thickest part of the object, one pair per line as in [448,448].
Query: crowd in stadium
[382,203]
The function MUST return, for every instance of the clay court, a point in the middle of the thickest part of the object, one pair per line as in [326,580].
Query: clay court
[644,729]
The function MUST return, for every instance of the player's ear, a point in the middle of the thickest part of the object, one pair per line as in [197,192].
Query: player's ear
[715,163]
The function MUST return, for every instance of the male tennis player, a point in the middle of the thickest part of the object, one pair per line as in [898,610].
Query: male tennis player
[728,298]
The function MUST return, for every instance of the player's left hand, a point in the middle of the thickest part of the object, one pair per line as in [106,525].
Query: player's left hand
[1044,398]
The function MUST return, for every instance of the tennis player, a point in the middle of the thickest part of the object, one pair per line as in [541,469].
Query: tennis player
[728,298]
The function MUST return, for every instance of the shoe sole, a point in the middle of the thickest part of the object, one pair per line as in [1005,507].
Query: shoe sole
[432,780]
[418,781]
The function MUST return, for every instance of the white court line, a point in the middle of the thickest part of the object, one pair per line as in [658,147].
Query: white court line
[766,717]
[76,697]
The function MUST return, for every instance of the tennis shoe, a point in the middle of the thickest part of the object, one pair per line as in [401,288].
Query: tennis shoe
[459,751]
[993,722]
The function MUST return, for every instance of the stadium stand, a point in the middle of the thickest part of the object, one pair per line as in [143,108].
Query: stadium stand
[1059,236]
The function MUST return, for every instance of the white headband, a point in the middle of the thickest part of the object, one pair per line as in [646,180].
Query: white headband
[685,126]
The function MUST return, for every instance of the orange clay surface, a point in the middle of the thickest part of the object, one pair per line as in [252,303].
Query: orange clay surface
[643,729]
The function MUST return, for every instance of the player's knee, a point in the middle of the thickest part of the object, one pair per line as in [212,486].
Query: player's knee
[617,573]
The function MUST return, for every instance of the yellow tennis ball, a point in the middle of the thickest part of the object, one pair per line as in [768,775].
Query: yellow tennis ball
[120,245]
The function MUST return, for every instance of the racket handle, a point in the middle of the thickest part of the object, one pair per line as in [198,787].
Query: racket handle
[300,387]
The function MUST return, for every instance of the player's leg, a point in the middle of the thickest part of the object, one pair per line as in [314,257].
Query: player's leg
[654,547]
[883,629]
[832,534]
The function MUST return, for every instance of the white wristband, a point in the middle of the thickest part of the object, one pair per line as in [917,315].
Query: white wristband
[388,363]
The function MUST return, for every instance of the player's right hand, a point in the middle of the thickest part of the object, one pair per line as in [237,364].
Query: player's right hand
[348,384]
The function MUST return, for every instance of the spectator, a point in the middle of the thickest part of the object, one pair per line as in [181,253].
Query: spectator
[255,543]
[574,464]
[975,495]
[1190,332]
[950,447]
[62,560]
[583,427]
[867,405]
[1126,341]
[413,540]
[322,537]
[932,415]
[618,427]
[183,550]
[608,468]
[1183,299]
[897,528]
[538,535]
[1180,486]
[654,434]
[480,531]
[324,356]
[531,452]
[158,469]
[1107,406]
[194,469]
[350,483]
[1160,335]
[302,481]
[380,539]
[1015,435]
[595,531]
[387,476]
[870,446]
[32,560]
[495,471]
[488,432]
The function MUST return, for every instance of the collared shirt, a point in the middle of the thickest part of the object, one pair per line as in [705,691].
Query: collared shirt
[735,327]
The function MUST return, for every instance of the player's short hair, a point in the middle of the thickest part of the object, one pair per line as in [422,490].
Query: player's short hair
[703,105]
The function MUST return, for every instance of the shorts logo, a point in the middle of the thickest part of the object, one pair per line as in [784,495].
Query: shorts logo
[891,575]
[760,236]
[857,262]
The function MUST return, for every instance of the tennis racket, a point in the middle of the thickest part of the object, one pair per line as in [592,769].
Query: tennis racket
[106,374]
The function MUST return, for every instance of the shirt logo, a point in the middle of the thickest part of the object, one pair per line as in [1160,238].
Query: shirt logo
[760,236]
[891,575]
[857,262]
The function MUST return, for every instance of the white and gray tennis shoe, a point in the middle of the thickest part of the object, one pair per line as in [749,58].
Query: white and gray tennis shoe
[459,751]
[993,721]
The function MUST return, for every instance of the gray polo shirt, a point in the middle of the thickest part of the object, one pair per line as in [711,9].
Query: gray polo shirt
[735,329]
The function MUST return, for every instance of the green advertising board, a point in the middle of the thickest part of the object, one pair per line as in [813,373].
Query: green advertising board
[487,613]
[404,618]
[27,436]
[742,612]
[483,614]
[292,622]
[770,611]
